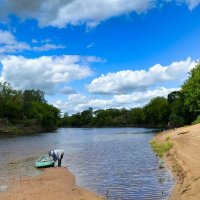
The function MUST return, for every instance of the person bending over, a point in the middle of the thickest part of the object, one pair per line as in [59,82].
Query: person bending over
[57,154]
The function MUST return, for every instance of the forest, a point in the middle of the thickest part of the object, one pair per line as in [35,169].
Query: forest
[179,108]
[26,107]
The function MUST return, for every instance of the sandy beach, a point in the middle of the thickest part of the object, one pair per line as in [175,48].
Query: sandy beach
[53,184]
[184,161]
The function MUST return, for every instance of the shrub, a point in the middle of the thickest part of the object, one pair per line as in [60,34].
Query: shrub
[197,120]
[162,148]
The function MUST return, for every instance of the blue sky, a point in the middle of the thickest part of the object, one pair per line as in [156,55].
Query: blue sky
[100,54]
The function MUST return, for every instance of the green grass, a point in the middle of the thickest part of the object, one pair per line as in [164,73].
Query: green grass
[14,130]
[161,148]
[196,121]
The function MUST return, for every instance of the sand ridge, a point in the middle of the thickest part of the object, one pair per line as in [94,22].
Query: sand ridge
[184,161]
[53,184]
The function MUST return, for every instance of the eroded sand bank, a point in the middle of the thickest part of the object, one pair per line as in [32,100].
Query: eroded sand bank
[53,184]
[184,161]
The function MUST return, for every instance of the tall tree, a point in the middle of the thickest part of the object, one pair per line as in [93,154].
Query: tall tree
[11,102]
[191,90]
[157,112]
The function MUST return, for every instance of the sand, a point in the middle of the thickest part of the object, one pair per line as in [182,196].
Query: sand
[53,184]
[184,161]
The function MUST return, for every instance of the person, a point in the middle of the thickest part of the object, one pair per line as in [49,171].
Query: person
[57,154]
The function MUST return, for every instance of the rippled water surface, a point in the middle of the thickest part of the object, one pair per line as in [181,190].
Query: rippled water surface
[118,162]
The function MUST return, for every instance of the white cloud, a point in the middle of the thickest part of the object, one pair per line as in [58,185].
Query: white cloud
[73,104]
[142,98]
[90,12]
[34,41]
[78,102]
[46,72]
[90,45]
[9,44]
[62,12]
[190,3]
[126,81]
[47,47]
[67,90]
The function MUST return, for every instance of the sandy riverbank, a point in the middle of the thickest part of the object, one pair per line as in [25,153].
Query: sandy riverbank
[52,184]
[184,161]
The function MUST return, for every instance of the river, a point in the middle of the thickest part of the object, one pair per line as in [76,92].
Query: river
[116,161]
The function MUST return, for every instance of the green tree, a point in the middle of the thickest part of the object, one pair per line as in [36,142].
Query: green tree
[179,113]
[191,91]
[75,120]
[137,116]
[157,112]
[86,117]
[173,96]
[30,97]
[44,113]
[11,102]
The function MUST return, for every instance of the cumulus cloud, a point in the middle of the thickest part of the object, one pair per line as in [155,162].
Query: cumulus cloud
[60,13]
[141,98]
[78,102]
[126,81]
[46,72]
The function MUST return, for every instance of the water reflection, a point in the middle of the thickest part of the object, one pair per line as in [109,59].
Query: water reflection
[116,161]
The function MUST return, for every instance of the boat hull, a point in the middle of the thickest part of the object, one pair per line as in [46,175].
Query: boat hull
[43,162]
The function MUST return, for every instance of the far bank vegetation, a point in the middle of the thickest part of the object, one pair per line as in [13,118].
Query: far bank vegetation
[30,107]
[179,108]
[22,109]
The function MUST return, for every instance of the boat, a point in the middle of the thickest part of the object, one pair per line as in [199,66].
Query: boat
[44,161]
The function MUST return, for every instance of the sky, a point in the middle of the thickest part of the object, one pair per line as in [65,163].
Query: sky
[99,53]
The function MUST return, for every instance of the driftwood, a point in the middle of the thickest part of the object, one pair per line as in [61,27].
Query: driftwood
[185,132]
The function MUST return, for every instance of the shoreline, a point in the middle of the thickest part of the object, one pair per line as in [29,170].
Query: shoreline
[184,161]
[53,183]
[23,128]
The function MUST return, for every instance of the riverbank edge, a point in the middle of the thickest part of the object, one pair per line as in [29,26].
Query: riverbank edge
[170,162]
[32,127]
[185,186]
[52,183]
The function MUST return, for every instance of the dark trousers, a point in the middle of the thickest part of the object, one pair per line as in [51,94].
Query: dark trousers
[59,162]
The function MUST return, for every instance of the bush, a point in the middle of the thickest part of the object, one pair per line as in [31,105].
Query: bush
[162,148]
[197,120]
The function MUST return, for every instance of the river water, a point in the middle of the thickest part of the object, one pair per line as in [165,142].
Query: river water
[118,162]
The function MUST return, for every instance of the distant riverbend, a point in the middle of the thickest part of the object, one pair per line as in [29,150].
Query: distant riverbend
[118,162]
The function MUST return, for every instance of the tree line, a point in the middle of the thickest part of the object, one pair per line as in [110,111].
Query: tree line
[179,108]
[26,107]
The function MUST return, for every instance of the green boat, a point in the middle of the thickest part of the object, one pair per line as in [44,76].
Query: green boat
[44,161]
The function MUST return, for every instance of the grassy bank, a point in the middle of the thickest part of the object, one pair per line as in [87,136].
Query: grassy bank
[182,159]
[22,127]
[162,148]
